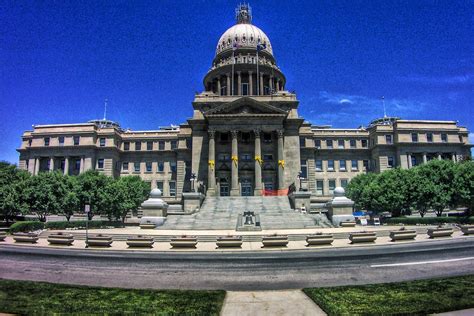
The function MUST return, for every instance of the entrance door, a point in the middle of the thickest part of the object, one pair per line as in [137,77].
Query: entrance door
[247,189]
[224,189]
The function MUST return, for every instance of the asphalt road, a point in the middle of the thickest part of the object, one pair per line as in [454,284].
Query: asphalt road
[244,271]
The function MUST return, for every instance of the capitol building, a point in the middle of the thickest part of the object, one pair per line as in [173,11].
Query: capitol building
[244,136]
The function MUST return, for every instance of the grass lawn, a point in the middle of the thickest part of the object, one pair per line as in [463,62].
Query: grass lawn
[35,298]
[414,298]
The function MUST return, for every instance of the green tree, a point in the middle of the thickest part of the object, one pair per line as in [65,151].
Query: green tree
[12,191]
[70,203]
[90,185]
[358,190]
[463,185]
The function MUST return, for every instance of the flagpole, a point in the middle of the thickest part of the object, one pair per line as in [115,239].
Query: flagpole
[233,63]
[258,77]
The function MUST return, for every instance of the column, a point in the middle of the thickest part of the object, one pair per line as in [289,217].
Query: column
[278,88]
[228,84]
[82,165]
[258,160]
[218,86]
[37,165]
[239,83]
[234,190]
[250,83]
[439,156]
[271,84]
[281,160]
[211,175]
[453,157]
[425,159]
[66,165]
[409,161]
[51,163]
[261,84]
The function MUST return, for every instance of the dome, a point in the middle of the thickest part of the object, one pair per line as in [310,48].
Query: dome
[339,191]
[155,193]
[246,36]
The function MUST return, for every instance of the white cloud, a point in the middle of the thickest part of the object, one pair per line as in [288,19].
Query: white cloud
[347,101]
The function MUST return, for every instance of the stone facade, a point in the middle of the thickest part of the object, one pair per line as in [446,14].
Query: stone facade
[245,136]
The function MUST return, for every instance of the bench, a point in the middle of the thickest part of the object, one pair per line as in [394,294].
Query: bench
[347,224]
[402,234]
[229,241]
[275,241]
[140,241]
[100,241]
[25,237]
[184,242]
[440,232]
[467,229]
[3,235]
[147,226]
[319,239]
[61,239]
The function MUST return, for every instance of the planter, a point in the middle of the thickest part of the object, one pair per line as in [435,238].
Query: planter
[275,241]
[100,241]
[402,234]
[3,235]
[440,232]
[184,242]
[362,237]
[347,224]
[319,239]
[25,237]
[229,241]
[61,239]
[467,229]
[140,241]
[148,226]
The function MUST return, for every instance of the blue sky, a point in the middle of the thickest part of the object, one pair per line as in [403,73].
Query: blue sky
[59,60]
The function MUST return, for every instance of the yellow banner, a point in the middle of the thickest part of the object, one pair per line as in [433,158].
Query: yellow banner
[281,163]
[235,159]
[259,159]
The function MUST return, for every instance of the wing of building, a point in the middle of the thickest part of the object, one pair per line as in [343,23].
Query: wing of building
[245,136]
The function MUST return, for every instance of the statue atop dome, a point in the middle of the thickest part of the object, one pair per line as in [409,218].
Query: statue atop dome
[243,14]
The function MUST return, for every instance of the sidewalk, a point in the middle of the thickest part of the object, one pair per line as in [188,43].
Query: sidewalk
[271,303]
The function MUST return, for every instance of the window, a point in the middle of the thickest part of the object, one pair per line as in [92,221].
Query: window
[148,166]
[245,137]
[159,185]
[126,146]
[304,168]
[366,165]
[46,141]
[76,140]
[330,165]
[77,164]
[317,143]
[172,188]
[224,137]
[149,145]
[388,139]
[138,146]
[174,144]
[224,157]
[413,161]
[391,162]
[329,143]
[429,137]
[173,166]
[246,157]
[344,183]
[340,143]
[245,88]
[267,137]
[364,143]
[61,140]
[342,165]
[267,157]
[161,166]
[332,186]
[161,145]
[100,164]
[189,143]
[444,138]
[125,166]
[319,187]
[354,165]
[352,143]
[102,142]
[414,137]
[136,166]
[319,165]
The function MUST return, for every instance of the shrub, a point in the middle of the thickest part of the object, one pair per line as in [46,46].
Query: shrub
[82,224]
[27,226]
[429,220]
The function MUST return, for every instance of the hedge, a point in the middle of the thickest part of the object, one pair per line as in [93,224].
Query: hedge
[26,226]
[429,220]
[82,224]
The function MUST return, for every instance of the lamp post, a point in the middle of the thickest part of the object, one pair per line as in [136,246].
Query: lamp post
[87,209]
[300,178]
[193,178]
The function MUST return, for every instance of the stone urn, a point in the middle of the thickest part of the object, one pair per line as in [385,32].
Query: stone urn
[154,209]
[340,208]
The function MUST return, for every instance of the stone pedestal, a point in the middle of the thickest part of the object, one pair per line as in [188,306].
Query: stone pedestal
[192,201]
[154,209]
[340,208]
[300,198]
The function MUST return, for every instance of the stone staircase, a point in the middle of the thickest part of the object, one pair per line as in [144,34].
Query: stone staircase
[222,213]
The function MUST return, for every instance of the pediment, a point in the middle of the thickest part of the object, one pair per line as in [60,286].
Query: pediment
[245,106]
